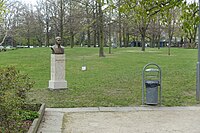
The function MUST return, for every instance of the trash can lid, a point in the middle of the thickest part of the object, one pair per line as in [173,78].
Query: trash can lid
[151,70]
[152,82]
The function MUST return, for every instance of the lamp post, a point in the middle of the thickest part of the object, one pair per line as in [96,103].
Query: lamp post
[198,63]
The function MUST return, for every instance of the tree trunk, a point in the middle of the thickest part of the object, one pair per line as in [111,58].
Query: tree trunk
[47,26]
[109,26]
[47,34]
[101,37]
[88,35]
[120,31]
[120,25]
[72,39]
[158,42]
[127,38]
[152,45]
[94,25]
[4,38]
[71,29]
[124,36]
[98,8]
[28,37]
[169,46]
[88,24]
[143,40]
[61,20]
[181,43]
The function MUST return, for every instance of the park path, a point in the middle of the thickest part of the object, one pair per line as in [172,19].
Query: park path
[52,122]
[121,120]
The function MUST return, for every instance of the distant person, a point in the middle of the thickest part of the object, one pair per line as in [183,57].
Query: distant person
[57,48]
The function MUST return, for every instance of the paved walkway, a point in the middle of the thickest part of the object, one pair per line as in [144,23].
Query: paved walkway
[121,120]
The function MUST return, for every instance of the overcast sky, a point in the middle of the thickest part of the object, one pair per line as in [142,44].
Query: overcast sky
[191,1]
[34,1]
[30,1]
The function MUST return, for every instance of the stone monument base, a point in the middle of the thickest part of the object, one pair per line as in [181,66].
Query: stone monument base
[55,85]
[57,72]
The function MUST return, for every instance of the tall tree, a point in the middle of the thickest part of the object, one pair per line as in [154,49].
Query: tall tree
[190,19]
[110,31]
[61,19]
[154,31]
[101,26]
[120,23]
[47,20]
[88,23]
[169,18]
[143,11]
[94,25]
[2,12]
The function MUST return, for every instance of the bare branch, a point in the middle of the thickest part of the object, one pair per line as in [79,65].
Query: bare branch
[4,38]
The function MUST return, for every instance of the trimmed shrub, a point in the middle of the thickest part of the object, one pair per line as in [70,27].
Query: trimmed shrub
[13,88]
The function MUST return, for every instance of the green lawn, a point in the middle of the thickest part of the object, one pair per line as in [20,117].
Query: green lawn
[115,80]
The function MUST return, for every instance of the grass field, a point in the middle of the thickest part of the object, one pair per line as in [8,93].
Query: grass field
[115,80]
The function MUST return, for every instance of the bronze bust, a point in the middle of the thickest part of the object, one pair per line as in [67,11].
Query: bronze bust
[57,48]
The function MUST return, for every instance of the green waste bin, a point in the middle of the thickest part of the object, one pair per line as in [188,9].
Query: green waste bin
[152,92]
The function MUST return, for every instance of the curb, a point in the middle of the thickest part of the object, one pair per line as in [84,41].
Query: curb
[122,109]
[36,123]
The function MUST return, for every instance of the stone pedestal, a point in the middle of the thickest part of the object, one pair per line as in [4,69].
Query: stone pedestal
[57,72]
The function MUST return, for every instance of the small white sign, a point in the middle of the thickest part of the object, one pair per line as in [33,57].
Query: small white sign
[84,68]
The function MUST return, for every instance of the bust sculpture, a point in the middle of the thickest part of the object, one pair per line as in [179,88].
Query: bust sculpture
[57,48]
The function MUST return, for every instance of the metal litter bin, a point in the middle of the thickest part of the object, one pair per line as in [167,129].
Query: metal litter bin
[152,91]
[151,81]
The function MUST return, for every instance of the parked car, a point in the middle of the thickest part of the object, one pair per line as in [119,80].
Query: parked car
[10,47]
[2,48]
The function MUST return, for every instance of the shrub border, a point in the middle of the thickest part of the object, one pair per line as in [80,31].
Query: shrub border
[36,123]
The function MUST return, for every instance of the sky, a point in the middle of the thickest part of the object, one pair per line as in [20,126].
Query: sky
[30,1]
[34,1]
[189,1]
